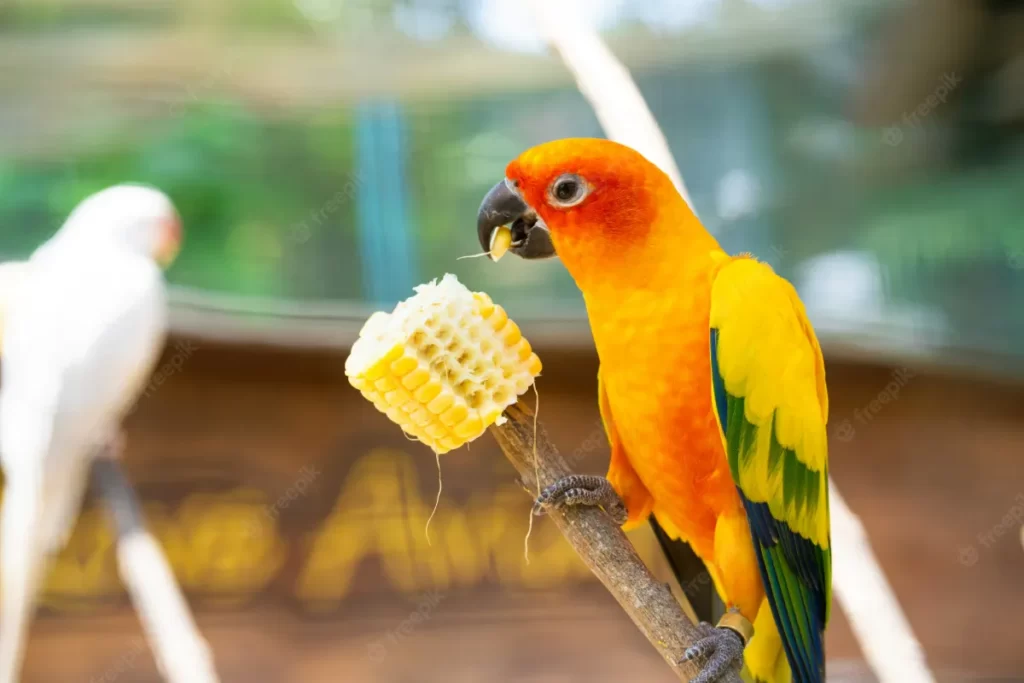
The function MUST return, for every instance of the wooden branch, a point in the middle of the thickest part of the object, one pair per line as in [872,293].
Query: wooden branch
[603,546]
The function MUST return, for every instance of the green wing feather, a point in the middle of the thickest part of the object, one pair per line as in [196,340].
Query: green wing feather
[768,380]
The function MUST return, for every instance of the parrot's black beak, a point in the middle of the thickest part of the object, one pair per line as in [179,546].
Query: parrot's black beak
[503,206]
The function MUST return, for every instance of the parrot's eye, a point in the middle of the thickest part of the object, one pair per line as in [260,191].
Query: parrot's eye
[568,190]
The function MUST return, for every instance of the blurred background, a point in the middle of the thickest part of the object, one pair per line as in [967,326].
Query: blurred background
[328,155]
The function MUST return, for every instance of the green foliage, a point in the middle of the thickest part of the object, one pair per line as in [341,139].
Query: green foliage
[242,203]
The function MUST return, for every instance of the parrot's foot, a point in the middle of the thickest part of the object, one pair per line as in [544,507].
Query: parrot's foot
[583,489]
[720,648]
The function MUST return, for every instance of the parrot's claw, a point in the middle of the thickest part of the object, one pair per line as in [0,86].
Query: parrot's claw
[719,648]
[583,489]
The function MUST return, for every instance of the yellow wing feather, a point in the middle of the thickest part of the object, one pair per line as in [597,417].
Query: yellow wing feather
[768,354]
[768,381]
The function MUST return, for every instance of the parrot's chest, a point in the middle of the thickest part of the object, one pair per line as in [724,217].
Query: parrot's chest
[656,371]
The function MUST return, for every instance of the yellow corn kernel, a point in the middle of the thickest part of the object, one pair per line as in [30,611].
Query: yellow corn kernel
[454,415]
[428,392]
[397,397]
[441,403]
[501,240]
[385,384]
[404,365]
[486,305]
[444,364]
[469,428]
[511,334]
[415,379]
[380,368]
[498,318]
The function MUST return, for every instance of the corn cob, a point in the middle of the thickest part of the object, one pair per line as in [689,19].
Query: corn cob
[444,365]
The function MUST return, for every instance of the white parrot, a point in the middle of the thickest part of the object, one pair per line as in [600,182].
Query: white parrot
[82,332]
[12,273]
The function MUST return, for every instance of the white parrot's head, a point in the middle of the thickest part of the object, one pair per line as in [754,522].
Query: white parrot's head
[135,217]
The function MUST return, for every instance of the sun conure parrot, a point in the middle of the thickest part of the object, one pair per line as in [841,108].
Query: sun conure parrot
[712,392]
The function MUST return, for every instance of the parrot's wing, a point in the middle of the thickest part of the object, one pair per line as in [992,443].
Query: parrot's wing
[12,274]
[82,334]
[768,380]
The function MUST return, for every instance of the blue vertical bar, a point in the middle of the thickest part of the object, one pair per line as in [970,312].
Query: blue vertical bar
[403,237]
[385,232]
[368,205]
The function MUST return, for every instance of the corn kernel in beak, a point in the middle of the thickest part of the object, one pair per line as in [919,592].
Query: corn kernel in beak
[501,240]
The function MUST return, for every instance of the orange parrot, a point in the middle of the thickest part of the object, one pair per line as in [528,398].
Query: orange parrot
[712,393]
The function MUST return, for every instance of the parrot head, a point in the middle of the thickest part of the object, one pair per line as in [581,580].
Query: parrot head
[600,206]
[135,217]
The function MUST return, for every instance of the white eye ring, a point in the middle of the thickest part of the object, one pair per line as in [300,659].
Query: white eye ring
[568,190]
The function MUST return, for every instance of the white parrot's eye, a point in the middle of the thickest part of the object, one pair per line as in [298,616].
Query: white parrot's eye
[567,190]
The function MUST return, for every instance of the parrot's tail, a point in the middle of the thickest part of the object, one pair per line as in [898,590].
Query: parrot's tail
[765,656]
[22,562]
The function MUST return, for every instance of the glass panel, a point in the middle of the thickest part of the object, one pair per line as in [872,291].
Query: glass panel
[339,150]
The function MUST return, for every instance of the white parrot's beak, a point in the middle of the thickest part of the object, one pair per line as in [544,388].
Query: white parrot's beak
[170,242]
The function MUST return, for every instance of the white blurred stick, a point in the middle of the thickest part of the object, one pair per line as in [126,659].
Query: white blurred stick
[607,85]
[181,653]
[884,634]
[869,602]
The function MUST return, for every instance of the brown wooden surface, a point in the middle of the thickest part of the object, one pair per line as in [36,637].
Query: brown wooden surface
[320,586]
